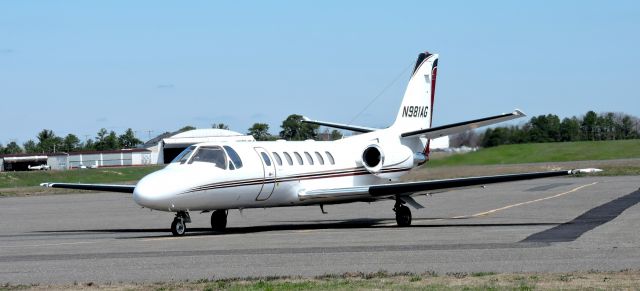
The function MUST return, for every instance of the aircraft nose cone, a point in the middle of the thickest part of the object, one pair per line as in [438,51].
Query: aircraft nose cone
[143,195]
[156,191]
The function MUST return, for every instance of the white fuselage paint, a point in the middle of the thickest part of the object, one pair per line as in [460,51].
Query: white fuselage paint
[203,186]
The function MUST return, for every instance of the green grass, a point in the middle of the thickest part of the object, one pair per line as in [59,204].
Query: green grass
[622,280]
[101,175]
[545,152]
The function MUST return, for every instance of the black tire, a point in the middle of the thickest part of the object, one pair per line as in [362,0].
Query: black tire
[219,220]
[178,227]
[403,216]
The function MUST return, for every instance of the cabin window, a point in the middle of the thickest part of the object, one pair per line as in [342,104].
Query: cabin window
[184,155]
[288,157]
[214,155]
[233,155]
[309,158]
[320,159]
[299,158]
[266,159]
[276,156]
[330,157]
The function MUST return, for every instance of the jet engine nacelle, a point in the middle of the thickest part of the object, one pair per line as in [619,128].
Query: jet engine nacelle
[386,161]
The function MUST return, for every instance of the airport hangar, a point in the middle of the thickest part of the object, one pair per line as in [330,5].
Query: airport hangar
[160,150]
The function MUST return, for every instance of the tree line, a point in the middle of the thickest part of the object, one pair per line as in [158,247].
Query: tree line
[48,142]
[293,128]
[549,128]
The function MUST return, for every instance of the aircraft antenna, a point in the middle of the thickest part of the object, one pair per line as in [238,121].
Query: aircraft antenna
[402,73]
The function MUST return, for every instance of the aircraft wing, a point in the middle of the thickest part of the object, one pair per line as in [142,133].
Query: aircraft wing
[93,187]
[409,188]
[449,129]
[339,125]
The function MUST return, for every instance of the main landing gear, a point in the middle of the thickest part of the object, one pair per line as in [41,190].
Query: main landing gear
[179,224]
[219,220]
[403,213]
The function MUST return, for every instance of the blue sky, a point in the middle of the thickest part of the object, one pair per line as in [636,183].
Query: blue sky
[78,66]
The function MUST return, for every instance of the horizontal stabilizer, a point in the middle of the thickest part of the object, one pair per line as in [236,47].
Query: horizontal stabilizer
[440,131]
[92,187]
[339,125]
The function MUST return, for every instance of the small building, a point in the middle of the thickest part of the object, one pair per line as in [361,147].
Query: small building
[166,147]
[111,158]
[64,161]
[21,162]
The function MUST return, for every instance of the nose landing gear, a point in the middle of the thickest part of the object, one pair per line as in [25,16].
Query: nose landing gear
[179,224]
[403,213]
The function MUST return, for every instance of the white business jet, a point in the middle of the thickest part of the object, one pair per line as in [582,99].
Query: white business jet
[218,176]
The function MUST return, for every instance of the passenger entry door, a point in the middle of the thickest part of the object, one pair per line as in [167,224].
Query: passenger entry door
[269,174]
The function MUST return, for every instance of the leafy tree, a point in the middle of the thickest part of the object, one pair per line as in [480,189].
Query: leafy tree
[468,138]
[30,147]
[100,143]
[1,149]
[12,148]
[71,143]
[260,131]
[589,125]
[626,127]
[544,128]
[220,126]
[128,140]
[570,129]
[48,141]
[294,129]
[89,145]
[111,141]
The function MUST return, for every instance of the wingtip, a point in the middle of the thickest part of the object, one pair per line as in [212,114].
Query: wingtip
[519,112]
[586,171]
[45,184]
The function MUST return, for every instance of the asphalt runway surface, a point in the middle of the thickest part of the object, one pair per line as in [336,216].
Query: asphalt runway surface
[549,225]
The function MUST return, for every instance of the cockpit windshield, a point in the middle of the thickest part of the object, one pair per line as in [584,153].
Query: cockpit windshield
[184,155]
[210,154]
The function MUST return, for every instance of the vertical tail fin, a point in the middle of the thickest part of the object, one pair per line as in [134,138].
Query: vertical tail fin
[417,104]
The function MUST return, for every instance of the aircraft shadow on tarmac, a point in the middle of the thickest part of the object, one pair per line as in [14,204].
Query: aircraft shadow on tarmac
[589,220]
[367,223]
[561,232]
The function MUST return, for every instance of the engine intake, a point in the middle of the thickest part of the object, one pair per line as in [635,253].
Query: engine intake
[388,162]
[373,158]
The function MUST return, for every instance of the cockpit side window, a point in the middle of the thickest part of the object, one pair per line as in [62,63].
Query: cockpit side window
[213,154]
[184,155]
[233,155]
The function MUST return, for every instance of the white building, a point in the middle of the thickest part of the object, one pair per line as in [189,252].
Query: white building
[65,161]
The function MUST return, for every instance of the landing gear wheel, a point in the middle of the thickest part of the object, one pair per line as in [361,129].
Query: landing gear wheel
[403,215]
[179,224]
[178,227]
[219,220]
